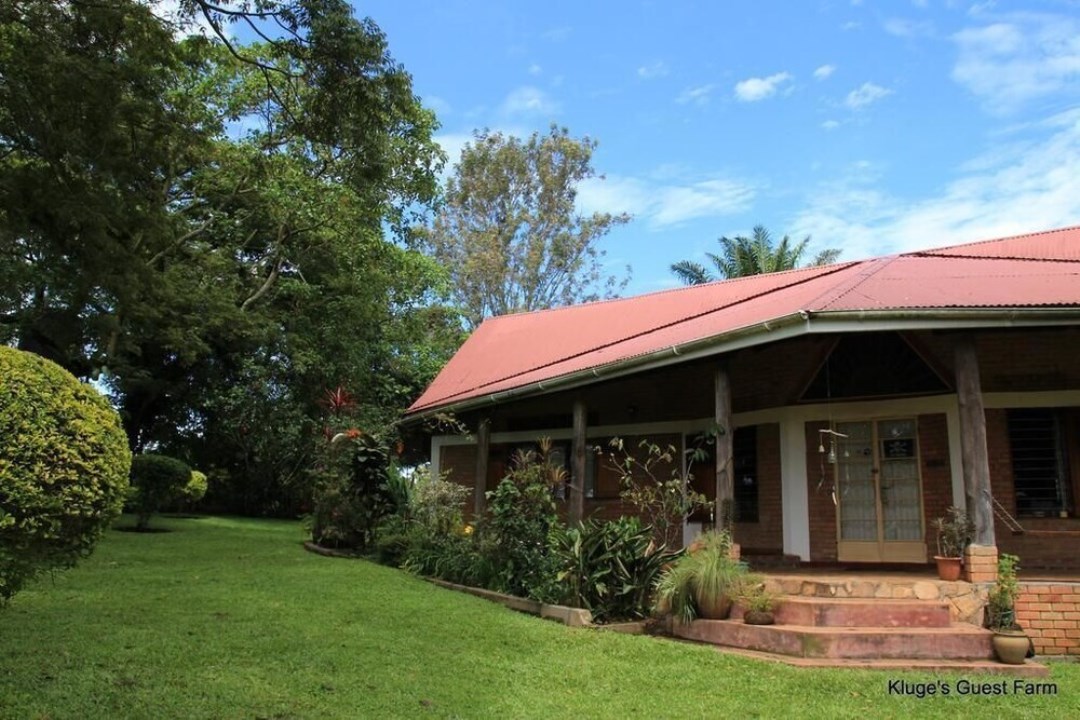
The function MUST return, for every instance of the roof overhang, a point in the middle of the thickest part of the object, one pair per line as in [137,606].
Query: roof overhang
[776,329]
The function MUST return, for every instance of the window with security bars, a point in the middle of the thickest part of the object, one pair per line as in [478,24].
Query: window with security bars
[1039,462]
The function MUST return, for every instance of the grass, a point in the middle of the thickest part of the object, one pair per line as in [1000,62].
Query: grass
[230,618]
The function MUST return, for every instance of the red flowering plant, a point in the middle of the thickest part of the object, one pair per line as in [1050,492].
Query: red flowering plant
[351,471]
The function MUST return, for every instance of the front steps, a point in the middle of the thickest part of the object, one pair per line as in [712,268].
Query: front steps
[815,628]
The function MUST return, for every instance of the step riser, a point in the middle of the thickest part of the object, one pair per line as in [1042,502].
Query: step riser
[841,644]
[825,614]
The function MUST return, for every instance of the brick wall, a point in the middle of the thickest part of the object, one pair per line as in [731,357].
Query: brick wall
[1050,614]
[767,534]
[936,473]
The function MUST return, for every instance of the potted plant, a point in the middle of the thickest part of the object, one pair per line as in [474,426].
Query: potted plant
[757,601]
[703,582]
[1011,644]
[954,533]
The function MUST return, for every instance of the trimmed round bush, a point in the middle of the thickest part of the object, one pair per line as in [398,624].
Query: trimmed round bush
[158,480]
[64,463]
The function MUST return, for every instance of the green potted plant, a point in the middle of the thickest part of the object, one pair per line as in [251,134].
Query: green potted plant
[757,601]
[703,582]
[955,532]
[1011,644]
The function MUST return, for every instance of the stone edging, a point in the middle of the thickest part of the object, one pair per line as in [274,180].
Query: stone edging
[572,617]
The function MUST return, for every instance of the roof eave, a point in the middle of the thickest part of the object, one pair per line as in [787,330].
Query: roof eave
[803,322]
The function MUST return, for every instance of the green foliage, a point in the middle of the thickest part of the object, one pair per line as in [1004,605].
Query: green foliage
[354,494]
[439,543]
[509,232]
[216,279]
[661,502]
[609,568]
[955,531]
[754,595]
[704,575]
[196,487]
[742,256]
[158,480]
[63,468]
[1001,603]
[522,513]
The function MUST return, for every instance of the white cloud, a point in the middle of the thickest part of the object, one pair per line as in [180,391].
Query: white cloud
[1036,186]
[850,25]
[535,70]
[529,100]
[665,204]
[867,94]
[824,72]
[653,70]
[1009,64]
[830,125]
[698,95]
[755,89]
[900,27]
[452,144]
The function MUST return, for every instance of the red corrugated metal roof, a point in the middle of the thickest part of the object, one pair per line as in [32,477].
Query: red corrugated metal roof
[514,351]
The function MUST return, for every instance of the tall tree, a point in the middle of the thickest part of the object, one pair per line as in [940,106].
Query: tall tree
[203,225]
[755,255]
[509,232]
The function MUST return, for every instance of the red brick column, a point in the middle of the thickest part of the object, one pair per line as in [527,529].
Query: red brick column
[980,563]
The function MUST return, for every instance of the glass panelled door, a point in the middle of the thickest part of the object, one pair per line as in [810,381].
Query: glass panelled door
[878,492]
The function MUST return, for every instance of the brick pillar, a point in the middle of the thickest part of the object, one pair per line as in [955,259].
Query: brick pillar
[980,563]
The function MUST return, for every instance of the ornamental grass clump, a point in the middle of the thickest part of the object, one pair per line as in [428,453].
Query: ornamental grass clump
[704,582]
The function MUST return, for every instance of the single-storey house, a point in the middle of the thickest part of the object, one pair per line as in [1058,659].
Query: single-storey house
[857,401]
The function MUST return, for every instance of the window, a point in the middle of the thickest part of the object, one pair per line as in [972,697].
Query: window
[745,475]
[1039,462]
[561,455]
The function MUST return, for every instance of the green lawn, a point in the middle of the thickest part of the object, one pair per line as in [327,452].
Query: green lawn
[230,618]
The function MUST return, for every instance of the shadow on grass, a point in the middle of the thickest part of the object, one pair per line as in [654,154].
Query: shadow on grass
[148,531]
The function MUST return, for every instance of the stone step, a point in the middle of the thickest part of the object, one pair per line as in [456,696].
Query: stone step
[830,612]
[960,641]
[771,561]
[966,667]
[916,588]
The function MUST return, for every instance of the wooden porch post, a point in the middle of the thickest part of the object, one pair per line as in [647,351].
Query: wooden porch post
[725,447]
[483,450]
[973,452]
[577,474]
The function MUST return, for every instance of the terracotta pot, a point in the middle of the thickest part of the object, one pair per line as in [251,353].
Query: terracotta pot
[714,608]
[758,617]
[1011,646]
[948,568]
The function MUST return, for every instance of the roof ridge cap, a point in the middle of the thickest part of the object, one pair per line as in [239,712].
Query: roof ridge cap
[871,266]
[933,251]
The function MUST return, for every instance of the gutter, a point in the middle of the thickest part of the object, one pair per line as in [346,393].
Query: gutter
[813,323]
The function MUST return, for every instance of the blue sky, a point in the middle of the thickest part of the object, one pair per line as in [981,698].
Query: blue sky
[874,127]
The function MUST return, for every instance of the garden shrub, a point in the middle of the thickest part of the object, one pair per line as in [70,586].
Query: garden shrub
[196,487]
[609,568]
[64,464]
[522,515]
[158,480]
[354,493]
